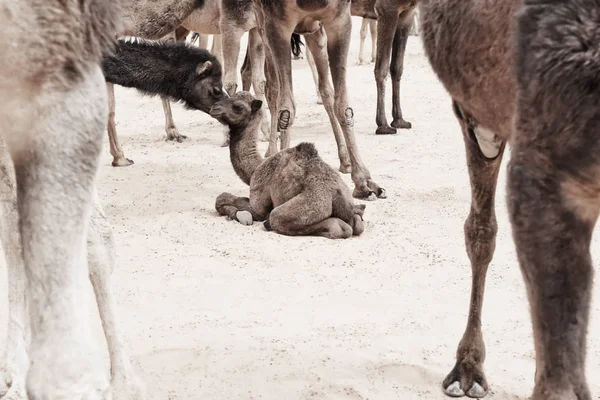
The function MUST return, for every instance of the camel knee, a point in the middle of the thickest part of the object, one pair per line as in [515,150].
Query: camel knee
[344,113]
[358,226]
[480,237]
[396,71]
[224,199]
[285,119]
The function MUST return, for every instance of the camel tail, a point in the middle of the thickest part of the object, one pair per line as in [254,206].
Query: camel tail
[296,43]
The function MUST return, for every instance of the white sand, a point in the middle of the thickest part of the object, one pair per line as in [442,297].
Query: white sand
[215,310]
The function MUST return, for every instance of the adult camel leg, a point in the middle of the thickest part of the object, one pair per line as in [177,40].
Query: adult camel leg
[170,128]
[217,48]
[307,214]
[12,379]
[338,40]
[313,69]
[414,28]
[317,47]
[363,36]
[256,50]
[246,71]
[397,67]
[116,150]
[55,177]
[386,29]
[277,39]
[373,30]
[553,191]
[272,94]
[101,260]
[467,376]
[230,36]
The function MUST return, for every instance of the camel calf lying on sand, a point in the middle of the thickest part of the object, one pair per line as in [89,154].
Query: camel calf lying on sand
[175,70]
[295,191]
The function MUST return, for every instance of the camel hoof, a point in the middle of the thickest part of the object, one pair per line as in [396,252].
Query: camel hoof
[476,391]
[176,138]
[401,124]
[345,169]
[122,162]
[225,143]
[319,100]
[385,130]
[454,390]
[244,217]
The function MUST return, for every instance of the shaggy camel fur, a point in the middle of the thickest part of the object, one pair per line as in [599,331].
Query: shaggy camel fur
[159,19]
[52,124]
[394,21]
[528,72]
[327,27]
[176,71]
[295,191]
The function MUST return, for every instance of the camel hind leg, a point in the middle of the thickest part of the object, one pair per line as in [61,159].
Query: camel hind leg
[397,66]
[363,37]
[553,185]
[317,47]
[467,377]
[119,159]
[257,59]
[373,30]
[308,214]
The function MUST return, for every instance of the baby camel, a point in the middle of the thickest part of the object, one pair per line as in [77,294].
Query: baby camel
[295,191]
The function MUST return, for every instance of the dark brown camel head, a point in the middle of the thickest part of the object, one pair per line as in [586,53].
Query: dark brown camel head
[237,111]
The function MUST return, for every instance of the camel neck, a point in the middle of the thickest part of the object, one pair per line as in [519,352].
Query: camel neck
[243,150]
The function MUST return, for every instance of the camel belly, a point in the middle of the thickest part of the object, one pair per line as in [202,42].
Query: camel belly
[468,45]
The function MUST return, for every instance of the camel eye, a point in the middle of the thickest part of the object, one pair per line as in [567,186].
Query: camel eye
[217,92]
[237,109]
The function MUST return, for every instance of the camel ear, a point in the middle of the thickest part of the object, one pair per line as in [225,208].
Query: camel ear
[202,68]
[256,105]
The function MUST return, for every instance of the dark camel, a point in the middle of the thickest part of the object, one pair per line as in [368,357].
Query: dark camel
[549,111]
[295,191]
[394,21]
[327,26]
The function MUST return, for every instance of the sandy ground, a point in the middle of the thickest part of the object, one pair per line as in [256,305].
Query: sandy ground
[215,310]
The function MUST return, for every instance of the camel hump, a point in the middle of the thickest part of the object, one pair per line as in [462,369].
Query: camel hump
[312,5]
[308,150]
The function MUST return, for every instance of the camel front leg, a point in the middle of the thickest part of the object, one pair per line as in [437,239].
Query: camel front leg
[55,177]
[170,128]
[116,151]
[317,47]
[256,51]
[467,376]
[231,36]
[277,36]
[101,260]
[12,378]
[397,67]
[313,69]
[338,40]
[216,48]
[239,209]
[272,94]
[246,70]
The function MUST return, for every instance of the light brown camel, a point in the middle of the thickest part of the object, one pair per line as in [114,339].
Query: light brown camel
[326,26]
[159,19]
[52,124]
[295,192]
[394,21]
[528,72]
